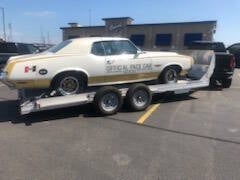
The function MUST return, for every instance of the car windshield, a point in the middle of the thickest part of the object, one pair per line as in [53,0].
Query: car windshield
[60,46]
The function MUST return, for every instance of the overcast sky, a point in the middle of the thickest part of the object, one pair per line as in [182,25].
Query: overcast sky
[31,17]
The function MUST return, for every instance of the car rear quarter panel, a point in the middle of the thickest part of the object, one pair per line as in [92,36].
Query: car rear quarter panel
[88,64]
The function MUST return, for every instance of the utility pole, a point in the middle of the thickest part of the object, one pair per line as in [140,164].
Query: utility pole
[3,21]
[10,32]
[90,17]
[48,38]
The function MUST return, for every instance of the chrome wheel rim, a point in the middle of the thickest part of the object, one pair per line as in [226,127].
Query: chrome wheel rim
[171,76]
[140,98]
[69,85]
[109,102]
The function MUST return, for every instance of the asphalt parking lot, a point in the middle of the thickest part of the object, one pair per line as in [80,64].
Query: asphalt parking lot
[178,137]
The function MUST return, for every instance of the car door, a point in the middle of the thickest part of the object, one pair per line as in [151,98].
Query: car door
[124,63]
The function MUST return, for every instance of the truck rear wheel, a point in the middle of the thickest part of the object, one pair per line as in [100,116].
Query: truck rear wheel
[226,83]
[108,100]
[138,97]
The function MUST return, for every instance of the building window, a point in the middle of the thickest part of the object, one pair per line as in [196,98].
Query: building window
[73,36]
[163,40]
[138,39]
[190,37]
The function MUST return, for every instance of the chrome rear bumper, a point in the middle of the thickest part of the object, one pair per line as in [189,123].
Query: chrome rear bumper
[3,79]
[2,76]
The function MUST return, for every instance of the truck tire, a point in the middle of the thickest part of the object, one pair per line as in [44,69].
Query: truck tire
[138,97]
[169,75]
[226,83]
[69,83]
[212,83]
[108,100]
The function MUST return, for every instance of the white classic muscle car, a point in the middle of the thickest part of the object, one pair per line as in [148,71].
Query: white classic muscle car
[75,64]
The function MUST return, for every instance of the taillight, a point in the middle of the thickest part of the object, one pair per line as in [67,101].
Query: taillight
[232,62]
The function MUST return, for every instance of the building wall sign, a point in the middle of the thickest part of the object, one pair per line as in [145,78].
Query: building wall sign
[116,27]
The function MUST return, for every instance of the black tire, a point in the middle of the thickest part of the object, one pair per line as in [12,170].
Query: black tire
[212,83]
[108,100]
[169,75]
[76,81]
[138,97]
[226,83]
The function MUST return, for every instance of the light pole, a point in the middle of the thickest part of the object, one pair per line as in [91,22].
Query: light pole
[3,21]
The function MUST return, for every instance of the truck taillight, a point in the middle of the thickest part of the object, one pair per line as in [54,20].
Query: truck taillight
[232,62]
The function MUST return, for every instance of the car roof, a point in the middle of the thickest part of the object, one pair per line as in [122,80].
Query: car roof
[96,39]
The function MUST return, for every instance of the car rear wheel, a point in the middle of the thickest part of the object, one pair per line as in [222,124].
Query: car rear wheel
[69,84]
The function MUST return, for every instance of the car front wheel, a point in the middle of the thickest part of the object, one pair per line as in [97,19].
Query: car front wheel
[169,75]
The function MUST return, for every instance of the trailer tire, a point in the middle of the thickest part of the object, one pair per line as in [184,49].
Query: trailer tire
[108,100]
[138,97]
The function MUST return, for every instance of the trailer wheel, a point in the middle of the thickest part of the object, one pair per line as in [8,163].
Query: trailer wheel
[138,97]
[108,100]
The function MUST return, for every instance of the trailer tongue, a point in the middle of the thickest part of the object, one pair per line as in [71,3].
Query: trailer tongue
[106,99]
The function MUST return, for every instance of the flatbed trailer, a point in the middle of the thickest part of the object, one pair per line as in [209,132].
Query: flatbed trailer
[108,99]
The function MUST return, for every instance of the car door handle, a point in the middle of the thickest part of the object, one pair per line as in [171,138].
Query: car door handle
[110,61]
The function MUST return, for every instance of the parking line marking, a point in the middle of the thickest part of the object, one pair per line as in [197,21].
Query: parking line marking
[2,85]
[145,116]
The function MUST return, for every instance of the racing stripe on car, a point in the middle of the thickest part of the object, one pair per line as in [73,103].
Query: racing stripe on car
[125,77]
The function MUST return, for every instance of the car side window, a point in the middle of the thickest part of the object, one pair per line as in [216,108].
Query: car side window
[97,49]
[23,49]
[119,47]
[32,49]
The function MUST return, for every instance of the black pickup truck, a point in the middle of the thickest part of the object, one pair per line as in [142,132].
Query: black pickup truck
[225,63]
[235,50]
[8,49]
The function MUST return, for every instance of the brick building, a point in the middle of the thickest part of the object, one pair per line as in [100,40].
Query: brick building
[159,36]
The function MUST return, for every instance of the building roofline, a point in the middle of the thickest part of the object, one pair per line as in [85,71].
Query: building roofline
[175,23]
[117,18]
[81,27]
[151,24]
